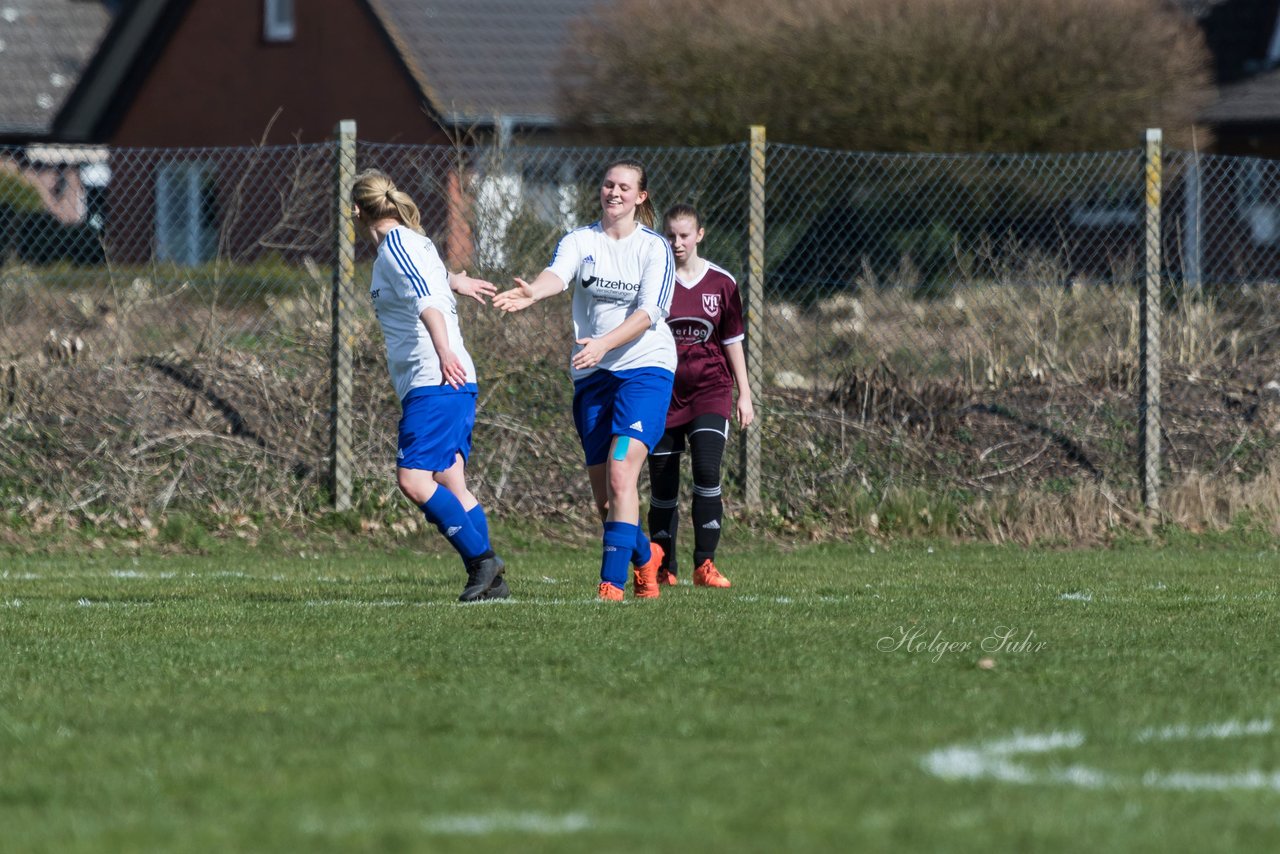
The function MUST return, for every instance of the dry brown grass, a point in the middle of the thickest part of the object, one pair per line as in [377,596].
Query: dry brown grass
[985,334]
[1003,413]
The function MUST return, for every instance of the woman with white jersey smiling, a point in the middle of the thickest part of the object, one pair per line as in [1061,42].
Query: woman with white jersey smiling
[433,375]
[623,362]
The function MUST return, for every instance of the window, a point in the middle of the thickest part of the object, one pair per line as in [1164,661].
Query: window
[95,177]
[186,213]
[1256,200]
[1107,206]
[277,20]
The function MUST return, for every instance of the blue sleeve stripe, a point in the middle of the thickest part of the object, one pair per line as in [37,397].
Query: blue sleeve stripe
[668,278]
[669,273]
[405,263]
[407,266]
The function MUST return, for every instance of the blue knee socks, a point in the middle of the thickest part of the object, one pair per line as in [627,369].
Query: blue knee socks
[619,546]
[444,511]
[480,522]
[641,554]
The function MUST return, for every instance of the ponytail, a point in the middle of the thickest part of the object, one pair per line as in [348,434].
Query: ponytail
[406,210]
[379,198]
[645,214]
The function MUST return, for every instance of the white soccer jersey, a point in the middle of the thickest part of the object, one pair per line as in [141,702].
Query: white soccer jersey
[409,278]
[610,279]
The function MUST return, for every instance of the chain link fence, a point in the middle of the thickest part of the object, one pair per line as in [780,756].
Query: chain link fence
[189,328]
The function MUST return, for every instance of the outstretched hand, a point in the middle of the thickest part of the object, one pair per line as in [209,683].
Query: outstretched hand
[517,299]
[470,286]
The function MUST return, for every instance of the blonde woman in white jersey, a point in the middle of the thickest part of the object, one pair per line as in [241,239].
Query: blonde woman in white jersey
[433,375]
[622,274]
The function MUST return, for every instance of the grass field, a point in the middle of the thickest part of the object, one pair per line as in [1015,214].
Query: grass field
[836,699]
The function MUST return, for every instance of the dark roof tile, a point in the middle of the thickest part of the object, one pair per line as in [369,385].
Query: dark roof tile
[1256,99]
[478,59]
[44,47]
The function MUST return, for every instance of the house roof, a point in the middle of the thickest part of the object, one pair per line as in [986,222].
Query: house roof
[473,61]
[44,47]
[116,65]
[476,60]
[1197,8]
[1256,99]
[1239,35]
[1243,36]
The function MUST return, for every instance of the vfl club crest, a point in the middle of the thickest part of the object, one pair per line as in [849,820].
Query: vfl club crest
[711,304]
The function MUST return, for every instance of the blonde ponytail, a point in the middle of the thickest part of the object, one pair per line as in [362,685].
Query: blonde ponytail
[645,213]
[406,210]
[379,198]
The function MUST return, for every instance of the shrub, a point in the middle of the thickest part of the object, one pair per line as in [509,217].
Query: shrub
[902,75]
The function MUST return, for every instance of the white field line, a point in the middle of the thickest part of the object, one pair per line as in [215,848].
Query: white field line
[515,600]
[991,761]
[1117,598]
[1226,729]
[128,574]
[481,824]
[998,760]
[1189,781]
[461,824]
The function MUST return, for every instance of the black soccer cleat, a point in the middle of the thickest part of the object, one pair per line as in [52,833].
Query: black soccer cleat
[499,590]
[482,575]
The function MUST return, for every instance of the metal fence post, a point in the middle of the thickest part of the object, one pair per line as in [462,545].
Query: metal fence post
[753,308]
[1192,255]
[343,287]
[1149,348]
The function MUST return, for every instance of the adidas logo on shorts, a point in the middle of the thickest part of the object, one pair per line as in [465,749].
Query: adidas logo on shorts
[453,530]
[637,426]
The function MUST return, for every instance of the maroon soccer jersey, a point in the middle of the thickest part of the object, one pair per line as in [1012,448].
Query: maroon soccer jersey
[705,316]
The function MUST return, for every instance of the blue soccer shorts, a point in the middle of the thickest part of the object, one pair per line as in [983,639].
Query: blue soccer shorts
[435,426]
[620,403]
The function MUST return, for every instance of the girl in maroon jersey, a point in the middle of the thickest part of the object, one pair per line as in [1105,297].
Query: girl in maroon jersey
[706,321]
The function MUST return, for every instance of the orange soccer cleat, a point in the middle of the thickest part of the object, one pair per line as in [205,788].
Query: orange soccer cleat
[666,577]
[645,578]
[610,592]
[706,575]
